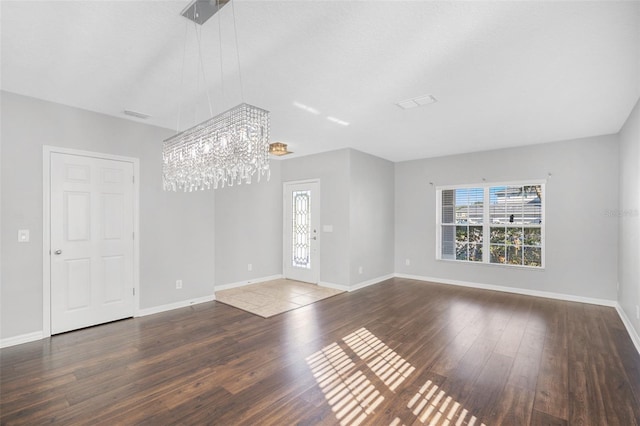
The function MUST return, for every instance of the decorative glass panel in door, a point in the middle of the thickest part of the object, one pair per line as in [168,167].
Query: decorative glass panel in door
[301,250]
[301,237]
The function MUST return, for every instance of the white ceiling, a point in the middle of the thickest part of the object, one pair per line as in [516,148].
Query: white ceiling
[505,73]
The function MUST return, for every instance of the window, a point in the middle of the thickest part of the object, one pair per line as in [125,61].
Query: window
[499,224]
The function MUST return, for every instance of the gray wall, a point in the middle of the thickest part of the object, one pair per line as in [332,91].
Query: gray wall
[248,227]
[629,259]
[332,168]
[581,238]
[176,229]
[382,213]
[371,217]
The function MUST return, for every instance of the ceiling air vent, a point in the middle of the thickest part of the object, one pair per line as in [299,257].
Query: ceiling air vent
[417,101]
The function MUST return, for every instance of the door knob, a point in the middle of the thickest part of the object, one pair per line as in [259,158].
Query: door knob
[58,251]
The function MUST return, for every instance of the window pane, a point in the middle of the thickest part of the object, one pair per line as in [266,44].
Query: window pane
[461,234]
[447,214]
[475,252]
[533,256]
[498,235]
[447,197]
[532,209]
[497,254]
[514,236]
[476,201]
[532,236]
[475,234]
[507,204]
[514,255]
[447,205]
[461,199]
[448,242]
[497,209]
[461,251]
[469,205]
[513,202]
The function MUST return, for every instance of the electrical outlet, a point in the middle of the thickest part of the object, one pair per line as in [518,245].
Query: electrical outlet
[178,284]
[407,262]
[249,267]
[360,270]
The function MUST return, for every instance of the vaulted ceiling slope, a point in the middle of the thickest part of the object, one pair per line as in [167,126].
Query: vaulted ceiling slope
[504,73]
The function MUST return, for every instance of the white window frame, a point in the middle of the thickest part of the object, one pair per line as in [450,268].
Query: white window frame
[486,224]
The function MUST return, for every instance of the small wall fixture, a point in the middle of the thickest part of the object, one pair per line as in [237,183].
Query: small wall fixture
[279,149]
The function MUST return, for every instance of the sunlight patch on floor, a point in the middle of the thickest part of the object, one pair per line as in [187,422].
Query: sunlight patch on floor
[353,397]
[390,367]
[432,406]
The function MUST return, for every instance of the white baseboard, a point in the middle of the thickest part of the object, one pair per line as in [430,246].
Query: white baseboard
[526,292]
[629,326]
[38,335]
[335,286]
[23,338]
[243,283]
[357,286]
[373,281]
[176,305]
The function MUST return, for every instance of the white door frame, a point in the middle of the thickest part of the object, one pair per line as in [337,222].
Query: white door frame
[284,224]
[47,150]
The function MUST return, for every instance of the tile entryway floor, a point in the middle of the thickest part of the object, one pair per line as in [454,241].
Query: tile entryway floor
[271,298]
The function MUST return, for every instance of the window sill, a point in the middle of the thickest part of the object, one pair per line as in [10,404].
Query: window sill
[494,265]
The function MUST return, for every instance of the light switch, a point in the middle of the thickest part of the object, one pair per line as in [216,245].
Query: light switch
[23,235]
[327,228]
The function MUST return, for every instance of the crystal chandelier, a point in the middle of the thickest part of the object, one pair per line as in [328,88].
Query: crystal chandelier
[228,148]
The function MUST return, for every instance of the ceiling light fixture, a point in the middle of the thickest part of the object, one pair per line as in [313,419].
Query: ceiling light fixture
[279,149]
[228,148]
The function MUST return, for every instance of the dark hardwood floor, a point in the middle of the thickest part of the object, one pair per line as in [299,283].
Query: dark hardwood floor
[398,353]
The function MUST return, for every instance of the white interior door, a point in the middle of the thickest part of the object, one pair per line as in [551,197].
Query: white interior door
[91,241]
[301,231]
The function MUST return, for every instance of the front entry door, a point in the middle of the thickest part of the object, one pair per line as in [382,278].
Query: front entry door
[301,231]
[91,241]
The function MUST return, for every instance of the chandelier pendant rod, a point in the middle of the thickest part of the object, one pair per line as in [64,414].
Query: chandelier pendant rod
[221,55]
[235,32]
[184,56]
[204,77]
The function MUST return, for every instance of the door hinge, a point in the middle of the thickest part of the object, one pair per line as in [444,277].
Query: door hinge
[134,291]
[133,178]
